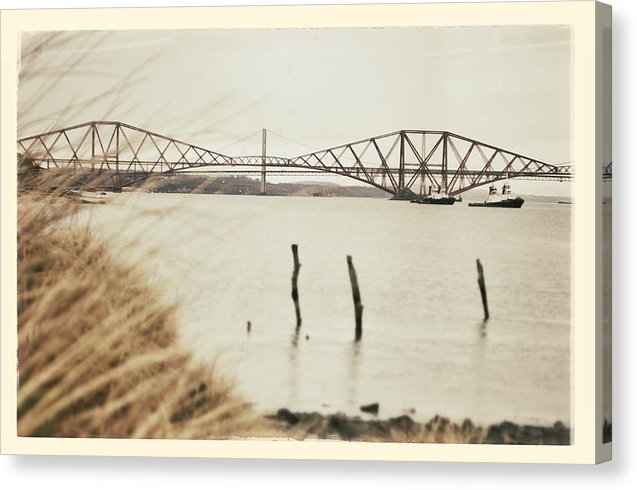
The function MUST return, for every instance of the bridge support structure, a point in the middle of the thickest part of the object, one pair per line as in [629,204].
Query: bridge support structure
[111,153]
[263,160]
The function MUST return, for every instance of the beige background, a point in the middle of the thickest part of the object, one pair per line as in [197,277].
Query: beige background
[579,15]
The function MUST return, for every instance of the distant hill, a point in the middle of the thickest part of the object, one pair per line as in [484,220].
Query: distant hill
[240,185]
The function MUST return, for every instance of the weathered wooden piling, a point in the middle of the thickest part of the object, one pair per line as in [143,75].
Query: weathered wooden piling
[295,289]
[249,327]
[356,294]
[483,289]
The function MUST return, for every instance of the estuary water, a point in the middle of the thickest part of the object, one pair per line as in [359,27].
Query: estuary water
[226,260]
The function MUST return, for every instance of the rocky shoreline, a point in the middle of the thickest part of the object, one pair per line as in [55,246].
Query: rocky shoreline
[338,426]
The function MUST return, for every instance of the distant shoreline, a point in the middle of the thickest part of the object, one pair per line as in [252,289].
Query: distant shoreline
[241,185]
[338,426]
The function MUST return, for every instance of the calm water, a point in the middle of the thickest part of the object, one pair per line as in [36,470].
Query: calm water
[227,260]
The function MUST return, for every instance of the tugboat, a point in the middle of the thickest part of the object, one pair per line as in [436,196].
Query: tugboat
[435,198]
[504,200]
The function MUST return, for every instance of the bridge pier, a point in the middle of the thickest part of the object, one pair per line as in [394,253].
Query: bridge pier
[263,157]
[263,187]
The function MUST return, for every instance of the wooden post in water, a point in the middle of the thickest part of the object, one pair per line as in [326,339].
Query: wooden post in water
[483,289]
[295,289]
[356,294]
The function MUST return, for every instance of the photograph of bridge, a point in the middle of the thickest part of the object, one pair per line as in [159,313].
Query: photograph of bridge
[292,239]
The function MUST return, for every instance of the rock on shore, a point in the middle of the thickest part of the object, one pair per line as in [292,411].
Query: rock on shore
[304,425]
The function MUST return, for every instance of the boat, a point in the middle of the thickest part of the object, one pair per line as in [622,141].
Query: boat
[504,200]
[92,197]
[434,198]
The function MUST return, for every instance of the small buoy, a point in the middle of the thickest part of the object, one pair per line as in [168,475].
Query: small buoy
[307,337]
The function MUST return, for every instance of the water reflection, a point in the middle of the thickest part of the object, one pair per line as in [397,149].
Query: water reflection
[478,366]
[353,374]
[293,371]
[483,329]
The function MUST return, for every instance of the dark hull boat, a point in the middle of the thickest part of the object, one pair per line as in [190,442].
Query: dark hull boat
[434,200]
[504,200]
[435,197]
[515,202]
[438,197]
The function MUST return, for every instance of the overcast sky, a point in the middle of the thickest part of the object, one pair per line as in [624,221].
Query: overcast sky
[508,86]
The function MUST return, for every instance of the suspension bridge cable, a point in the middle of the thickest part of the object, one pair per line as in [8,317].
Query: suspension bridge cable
[239,140]
[316,150]
[291,140]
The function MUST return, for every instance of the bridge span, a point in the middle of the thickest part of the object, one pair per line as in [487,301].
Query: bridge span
[118,154]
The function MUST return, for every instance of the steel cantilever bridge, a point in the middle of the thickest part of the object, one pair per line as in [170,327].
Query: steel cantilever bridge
[121,154]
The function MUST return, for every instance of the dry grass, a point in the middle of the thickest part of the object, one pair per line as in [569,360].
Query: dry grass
[440,430]
[98,352]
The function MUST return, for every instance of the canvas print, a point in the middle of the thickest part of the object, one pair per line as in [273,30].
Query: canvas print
[358,234]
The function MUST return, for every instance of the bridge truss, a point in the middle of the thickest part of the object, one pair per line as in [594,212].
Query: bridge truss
[120,154]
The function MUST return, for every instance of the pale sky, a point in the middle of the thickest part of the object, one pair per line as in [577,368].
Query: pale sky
[507,86]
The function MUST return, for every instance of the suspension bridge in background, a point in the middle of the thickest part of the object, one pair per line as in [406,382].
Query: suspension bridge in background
[113,155]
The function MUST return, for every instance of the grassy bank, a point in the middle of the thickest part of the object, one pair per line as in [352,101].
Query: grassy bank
[98,352]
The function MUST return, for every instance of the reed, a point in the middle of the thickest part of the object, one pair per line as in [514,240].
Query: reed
[98,350]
